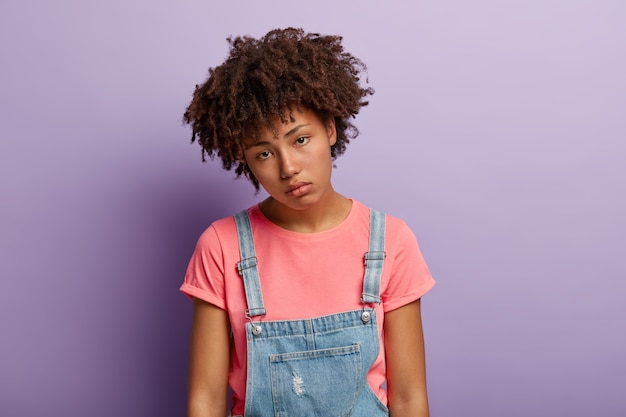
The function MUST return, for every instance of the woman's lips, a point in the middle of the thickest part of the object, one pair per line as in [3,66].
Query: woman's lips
[298,189]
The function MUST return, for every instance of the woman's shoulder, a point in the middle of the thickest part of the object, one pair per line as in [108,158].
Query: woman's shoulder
[222,229]
[393,224]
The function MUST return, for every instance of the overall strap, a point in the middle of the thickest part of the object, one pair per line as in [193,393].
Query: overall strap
[248,266]
[374,258]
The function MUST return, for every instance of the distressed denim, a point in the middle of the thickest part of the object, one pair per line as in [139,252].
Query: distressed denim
[318,366]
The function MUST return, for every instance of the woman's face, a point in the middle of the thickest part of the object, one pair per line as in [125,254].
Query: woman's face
[293,162]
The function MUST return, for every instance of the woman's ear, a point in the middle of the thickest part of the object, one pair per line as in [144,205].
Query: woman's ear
[331,131]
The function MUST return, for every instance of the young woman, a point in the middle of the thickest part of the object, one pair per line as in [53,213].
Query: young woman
[308,303]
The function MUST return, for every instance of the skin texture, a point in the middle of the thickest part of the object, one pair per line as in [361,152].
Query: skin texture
[404,354]
[208,361]
[296,153]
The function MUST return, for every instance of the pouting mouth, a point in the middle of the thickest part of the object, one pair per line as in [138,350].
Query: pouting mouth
[296,186]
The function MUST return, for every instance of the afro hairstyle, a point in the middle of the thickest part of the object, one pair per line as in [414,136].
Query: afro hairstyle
[262,80]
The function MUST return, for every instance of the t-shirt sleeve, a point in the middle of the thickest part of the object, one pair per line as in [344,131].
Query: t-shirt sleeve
[204,278]
[410,277]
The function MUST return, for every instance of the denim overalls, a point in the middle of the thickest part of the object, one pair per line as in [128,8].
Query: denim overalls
[318,366]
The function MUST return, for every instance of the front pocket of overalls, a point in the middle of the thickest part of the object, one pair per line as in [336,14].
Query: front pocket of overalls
[324,382]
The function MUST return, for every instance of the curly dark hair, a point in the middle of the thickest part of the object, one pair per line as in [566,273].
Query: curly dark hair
[263,79]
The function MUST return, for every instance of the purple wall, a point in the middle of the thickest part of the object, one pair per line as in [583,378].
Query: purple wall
[498,131]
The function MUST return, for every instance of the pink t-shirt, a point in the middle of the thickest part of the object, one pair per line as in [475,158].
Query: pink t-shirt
[304,275]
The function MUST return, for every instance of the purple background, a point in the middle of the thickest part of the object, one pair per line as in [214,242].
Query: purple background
[497,132]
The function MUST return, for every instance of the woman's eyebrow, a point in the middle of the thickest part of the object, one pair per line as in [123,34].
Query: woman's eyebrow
[257,143]
[295,129]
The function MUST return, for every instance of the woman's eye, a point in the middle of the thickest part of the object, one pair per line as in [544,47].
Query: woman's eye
[264,155]
[302,140]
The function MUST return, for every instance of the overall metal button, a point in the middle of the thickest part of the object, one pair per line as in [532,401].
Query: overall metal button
[365,316]
[256,330]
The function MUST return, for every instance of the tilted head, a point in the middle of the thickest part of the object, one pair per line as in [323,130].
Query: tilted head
[264,80]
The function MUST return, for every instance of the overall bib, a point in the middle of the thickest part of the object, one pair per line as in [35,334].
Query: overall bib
[313,367]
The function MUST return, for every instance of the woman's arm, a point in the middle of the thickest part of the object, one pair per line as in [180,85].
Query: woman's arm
[208,361]
[406,370]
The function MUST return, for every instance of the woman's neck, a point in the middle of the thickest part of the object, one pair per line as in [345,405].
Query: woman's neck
[323,216]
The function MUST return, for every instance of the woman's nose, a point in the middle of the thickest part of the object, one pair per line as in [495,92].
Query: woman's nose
[288,166]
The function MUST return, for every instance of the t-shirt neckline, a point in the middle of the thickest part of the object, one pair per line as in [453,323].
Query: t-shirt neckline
[256,214]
